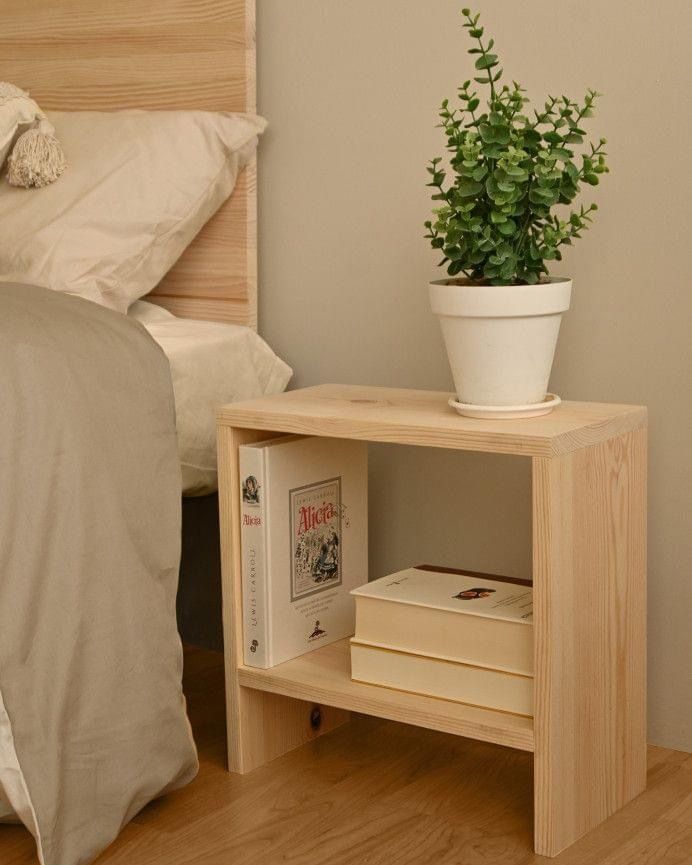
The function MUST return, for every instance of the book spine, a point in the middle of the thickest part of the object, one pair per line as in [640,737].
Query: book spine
[253,537]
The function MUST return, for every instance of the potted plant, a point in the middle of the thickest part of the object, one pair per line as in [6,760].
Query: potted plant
[497,230]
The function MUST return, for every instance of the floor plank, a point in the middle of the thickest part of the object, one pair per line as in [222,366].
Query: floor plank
[376,793]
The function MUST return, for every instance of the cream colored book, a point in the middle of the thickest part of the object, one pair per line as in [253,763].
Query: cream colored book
[304,544]
[448,680]
[463,617]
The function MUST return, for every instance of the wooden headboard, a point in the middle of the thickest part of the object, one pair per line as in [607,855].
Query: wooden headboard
[154,54]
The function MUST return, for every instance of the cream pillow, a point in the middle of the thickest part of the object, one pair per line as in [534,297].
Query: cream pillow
[211,364]
[140,186]
[18,112]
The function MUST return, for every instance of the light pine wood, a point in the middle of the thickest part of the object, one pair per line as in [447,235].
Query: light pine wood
[589,524]
[216,276]
[589,514]
[379,793]
[170,54]
[261,726]
[324,676]
[423,418]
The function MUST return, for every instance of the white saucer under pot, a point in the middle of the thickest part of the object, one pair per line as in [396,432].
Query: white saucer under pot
[506,412]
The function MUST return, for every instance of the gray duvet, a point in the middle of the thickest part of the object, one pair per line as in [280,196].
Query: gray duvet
[90,659]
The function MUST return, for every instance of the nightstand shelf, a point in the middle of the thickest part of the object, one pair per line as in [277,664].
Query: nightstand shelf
[323,677]
[589,575]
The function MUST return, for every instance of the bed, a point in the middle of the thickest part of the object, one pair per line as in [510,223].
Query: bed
[86,55]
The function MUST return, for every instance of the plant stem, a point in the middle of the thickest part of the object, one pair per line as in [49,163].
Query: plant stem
[527,220]
[484,52]
[542,118]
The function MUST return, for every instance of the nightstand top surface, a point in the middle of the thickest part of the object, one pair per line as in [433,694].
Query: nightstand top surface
[419,417]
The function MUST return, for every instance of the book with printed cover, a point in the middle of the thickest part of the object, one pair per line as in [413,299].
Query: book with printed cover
[304,544]
[455,615]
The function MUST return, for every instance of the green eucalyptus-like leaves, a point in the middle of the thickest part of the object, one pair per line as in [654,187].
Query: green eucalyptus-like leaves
[508,172]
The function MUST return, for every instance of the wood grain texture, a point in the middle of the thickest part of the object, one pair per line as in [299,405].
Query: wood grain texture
[379,793]
[324,676]
[423,418]
[216,276]
[260,726]
[173,54]
[590,632]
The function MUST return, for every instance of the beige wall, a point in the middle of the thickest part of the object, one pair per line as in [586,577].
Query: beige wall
[351,88]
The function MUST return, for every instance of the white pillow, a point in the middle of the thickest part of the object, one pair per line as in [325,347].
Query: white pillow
[140,186]
[18,112]
[211,364]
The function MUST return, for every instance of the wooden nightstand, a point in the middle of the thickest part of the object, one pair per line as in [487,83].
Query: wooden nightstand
[588,734]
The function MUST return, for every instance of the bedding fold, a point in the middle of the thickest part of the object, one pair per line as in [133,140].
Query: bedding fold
[212,364]
[90,658]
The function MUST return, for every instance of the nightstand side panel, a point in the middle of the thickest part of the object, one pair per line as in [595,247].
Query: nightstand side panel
[589,537]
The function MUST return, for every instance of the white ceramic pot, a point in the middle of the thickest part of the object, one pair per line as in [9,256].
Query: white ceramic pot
[500,339]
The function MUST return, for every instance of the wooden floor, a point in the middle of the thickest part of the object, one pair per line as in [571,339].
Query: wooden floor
[377,793]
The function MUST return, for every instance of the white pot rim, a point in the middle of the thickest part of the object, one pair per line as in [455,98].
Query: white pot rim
[467,299]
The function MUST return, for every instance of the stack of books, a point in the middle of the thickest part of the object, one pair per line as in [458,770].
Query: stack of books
[450,634]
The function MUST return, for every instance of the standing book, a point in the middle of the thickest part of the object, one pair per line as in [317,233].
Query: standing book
[304,544]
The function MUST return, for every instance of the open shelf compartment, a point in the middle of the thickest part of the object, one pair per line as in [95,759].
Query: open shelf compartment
[324,676]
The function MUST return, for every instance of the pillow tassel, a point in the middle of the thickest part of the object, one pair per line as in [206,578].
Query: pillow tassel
[37,158]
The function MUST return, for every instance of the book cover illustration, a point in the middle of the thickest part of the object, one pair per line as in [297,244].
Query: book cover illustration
[316,538]
[517,603]
[251,490]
